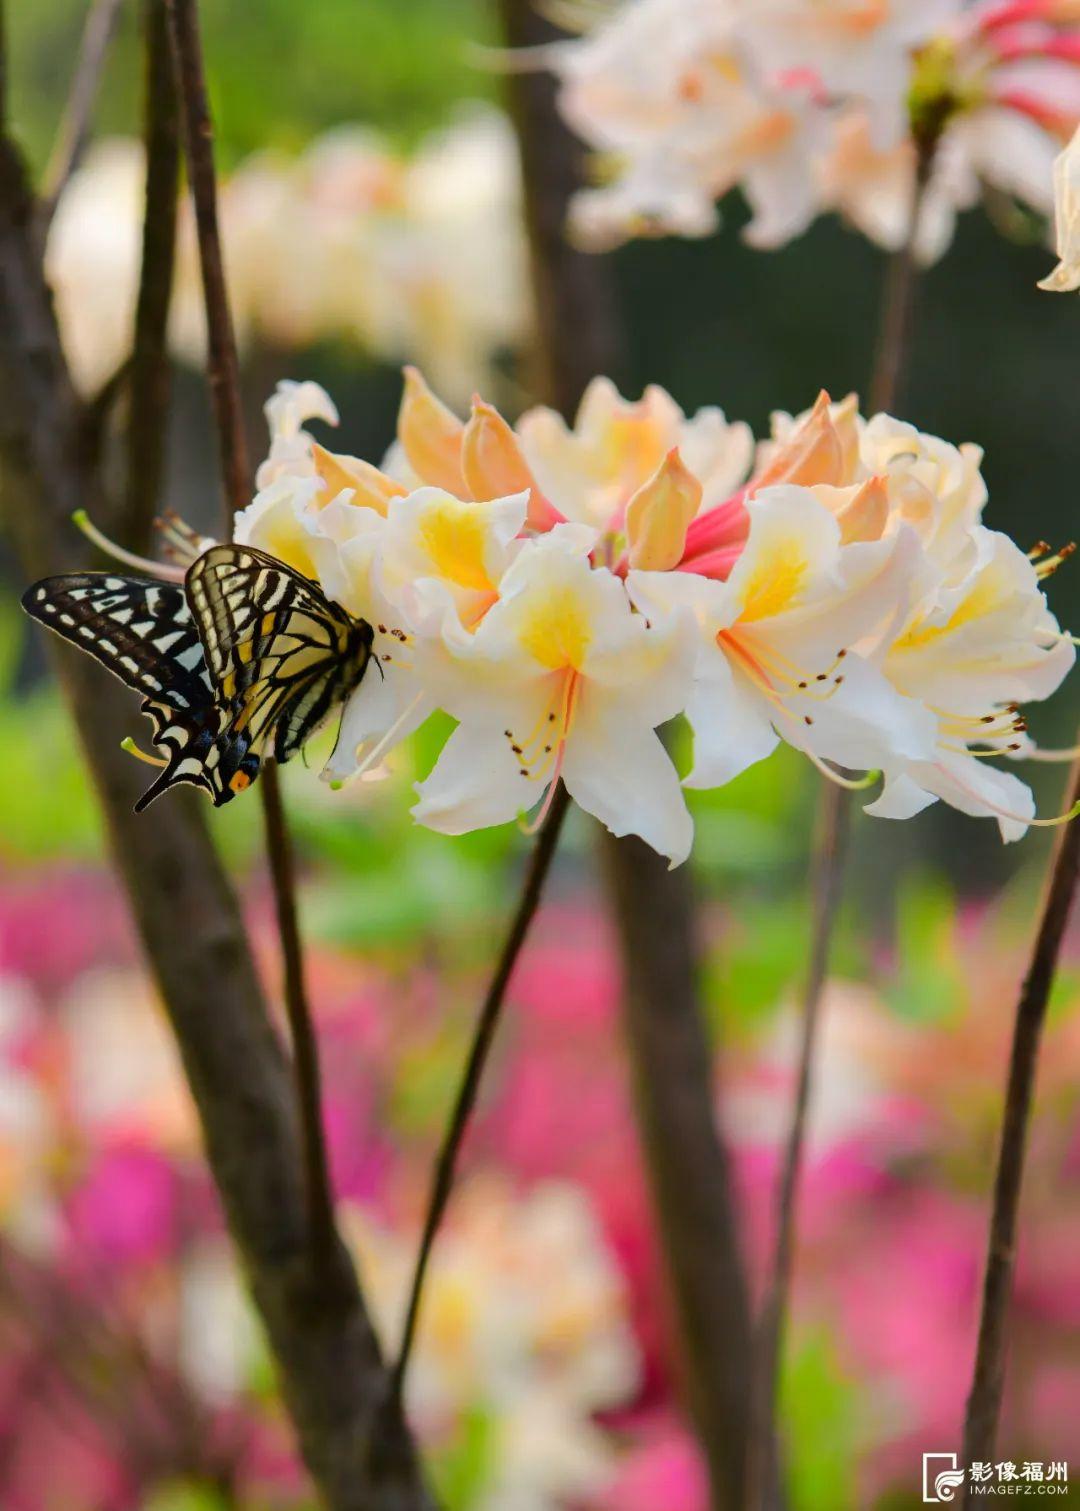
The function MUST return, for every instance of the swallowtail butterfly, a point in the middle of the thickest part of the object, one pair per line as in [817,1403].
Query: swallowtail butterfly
[245,661]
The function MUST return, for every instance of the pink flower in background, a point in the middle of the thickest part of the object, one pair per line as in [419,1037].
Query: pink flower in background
[893,1207]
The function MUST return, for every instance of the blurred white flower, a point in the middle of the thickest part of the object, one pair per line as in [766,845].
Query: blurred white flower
[523,1323]
[1065,278]
[410,258]
[92,260]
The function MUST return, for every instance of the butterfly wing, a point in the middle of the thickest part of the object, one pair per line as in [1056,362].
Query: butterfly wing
[279,653]
[144,633]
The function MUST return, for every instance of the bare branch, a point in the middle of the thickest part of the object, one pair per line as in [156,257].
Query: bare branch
[98,31]
[148,375]
[833,825]
[187,916]
[984,1401]
[223,373]
[687,1165]
[222,368]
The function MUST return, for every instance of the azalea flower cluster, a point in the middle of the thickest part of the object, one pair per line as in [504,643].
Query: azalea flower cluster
[419,258]
[815,105]
[563,592]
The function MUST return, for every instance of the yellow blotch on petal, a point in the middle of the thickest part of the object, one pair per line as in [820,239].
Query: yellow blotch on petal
[861,511]
[556,630]
[453,534]
[776,580]
[431,436]
[286,540]
[658,515]
[989,591]
[371,488]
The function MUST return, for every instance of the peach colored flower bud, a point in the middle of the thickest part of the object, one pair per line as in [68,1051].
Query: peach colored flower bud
[431,436]
[659,514]
[371,488]
[861,510]
[813,453]
[494,466]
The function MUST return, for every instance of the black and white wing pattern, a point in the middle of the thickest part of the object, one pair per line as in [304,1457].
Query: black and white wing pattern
[145,634]
[280,655]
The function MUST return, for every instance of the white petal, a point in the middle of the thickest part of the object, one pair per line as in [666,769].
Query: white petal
[984,791]
[865,724]
[731,723]
[377,706]
[902,797]
[617,769]
[476,782]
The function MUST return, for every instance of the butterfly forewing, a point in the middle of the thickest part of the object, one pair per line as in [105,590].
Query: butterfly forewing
[144,633]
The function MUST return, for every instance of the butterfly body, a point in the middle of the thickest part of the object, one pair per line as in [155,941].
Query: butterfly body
[244,661]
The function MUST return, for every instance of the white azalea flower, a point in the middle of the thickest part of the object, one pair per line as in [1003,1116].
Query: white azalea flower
[591,470]
[858,49]
[434,557]
[287,409]
[777,643]
[971,651]
[560,680]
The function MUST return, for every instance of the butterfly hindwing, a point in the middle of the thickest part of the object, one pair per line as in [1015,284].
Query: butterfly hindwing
[144,633]
[280,654]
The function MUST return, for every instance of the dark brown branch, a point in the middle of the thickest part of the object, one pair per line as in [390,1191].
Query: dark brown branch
[543,854]
[687,1165]
[671,1060]
[984,1400]
[148,386]
[189,922]
[97,34]
[833,826]
[223,372]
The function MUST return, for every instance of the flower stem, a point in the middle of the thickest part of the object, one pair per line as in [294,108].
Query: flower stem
[984,1400]
[224,378]
[833,829]
[547,840]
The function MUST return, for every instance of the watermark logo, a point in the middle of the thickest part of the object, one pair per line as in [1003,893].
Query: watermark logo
[943,1475]
[940,1477]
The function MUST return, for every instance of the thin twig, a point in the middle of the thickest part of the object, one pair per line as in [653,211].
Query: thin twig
[305,1045]
[148,375]
[74,129]
[443,1179]
[833,828]
[898,300]
[984,1400]
[223,367]
[224,377]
